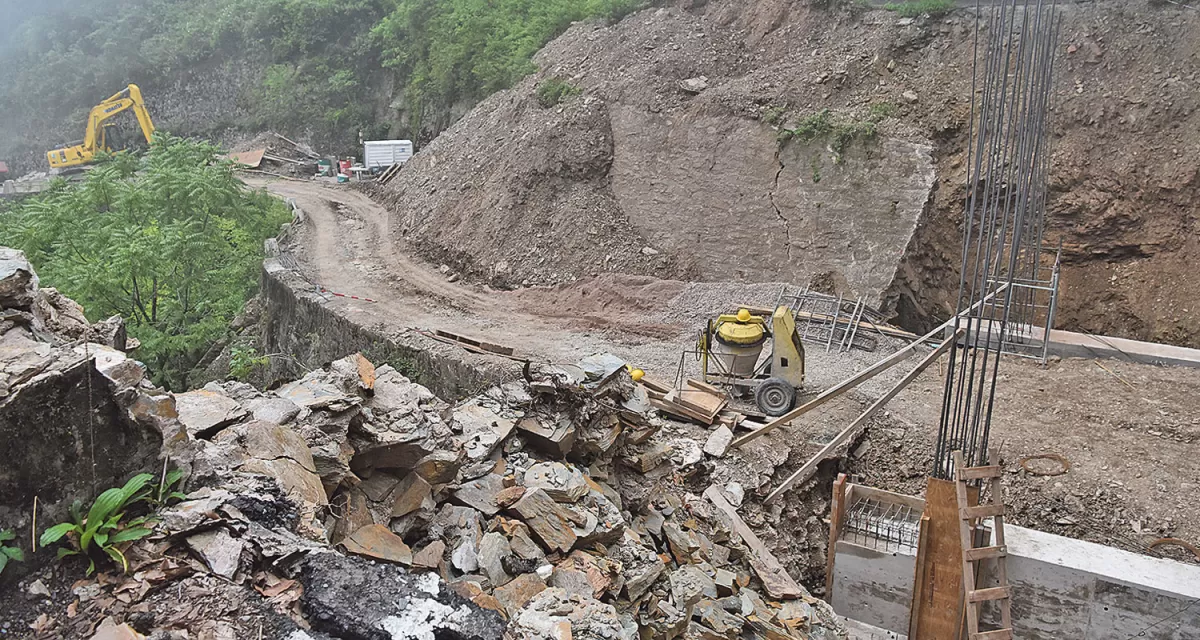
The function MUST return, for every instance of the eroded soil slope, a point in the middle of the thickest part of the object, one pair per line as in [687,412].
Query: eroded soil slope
[668,162]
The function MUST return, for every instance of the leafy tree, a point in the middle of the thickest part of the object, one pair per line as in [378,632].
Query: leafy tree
[171,241]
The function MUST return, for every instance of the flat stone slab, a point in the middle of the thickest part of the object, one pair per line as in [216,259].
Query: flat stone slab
[205,413]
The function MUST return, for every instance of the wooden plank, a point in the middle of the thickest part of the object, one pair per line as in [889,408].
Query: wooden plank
[475,342]
[251,159]
[882,328]
[809,315]
[985,553]
[775,578]
[679,410]
[984,595]
[859,378]
[997,493]
[941,609]
[655,385]
[809,468]
[977,473]
[701,402]
[985,511]
[696,384]
[918,576]
[837,512]
[273,158]
[969,581]
[999,634]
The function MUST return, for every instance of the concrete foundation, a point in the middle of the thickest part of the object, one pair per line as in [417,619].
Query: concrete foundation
[1062,589]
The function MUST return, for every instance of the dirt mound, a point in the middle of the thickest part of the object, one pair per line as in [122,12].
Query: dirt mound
[668,162]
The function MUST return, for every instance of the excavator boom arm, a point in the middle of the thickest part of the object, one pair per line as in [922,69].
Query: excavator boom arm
[93,140]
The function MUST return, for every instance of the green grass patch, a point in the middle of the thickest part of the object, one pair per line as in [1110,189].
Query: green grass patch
[921,7]
[552,91]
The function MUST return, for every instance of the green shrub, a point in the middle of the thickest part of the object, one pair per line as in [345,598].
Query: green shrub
[243,361]
[841,134]
[552,91]
[774,114]
[171,241]
[814,126]
[921,7]
[448,53]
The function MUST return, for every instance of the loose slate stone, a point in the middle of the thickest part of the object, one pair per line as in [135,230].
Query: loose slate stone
[548,520]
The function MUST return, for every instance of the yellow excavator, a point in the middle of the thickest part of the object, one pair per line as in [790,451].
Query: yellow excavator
[95,139]
[729,350]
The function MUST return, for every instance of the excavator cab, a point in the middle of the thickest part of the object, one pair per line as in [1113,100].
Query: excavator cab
[100,134]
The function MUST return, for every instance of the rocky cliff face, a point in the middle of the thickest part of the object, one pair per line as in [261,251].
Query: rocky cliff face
[67,426]
[668,162]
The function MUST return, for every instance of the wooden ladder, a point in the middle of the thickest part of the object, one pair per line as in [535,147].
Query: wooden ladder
[972,554]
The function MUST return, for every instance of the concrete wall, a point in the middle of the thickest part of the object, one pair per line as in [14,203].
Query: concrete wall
[1063,589]
[872,586]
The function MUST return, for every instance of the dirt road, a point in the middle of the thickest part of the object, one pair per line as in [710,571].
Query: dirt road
[1129,431]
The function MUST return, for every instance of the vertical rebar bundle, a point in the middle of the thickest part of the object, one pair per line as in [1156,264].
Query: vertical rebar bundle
[1008,162]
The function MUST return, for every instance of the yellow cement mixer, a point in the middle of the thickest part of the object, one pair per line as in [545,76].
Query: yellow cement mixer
[731,350]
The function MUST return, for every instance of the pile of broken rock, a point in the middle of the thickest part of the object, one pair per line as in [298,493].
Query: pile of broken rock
[549,508]
[510,497]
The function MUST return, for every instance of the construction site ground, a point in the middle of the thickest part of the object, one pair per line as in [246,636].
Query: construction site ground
[1128,430]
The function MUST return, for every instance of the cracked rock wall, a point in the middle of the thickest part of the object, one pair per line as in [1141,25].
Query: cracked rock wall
[724,193]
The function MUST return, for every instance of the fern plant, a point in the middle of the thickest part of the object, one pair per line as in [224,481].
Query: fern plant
[8,553]
[104,530]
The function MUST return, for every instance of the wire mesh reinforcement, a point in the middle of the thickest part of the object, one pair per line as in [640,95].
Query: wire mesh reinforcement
[833,320]
[1008,160]
[883,526]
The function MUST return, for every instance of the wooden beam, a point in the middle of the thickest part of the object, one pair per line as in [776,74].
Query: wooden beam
[942,610]
[860,377]
[837,513]
[776,581]
[919,577]
[809,468]
[885,329]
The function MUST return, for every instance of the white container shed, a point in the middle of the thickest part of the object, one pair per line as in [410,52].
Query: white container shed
[385,153]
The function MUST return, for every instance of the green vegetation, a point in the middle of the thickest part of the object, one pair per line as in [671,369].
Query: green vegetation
[105,531]
[774,114]
[840,134]
[8,553]
[244,361]
[880,111]
[105,528]
[454,51]
[398,68]
[552,91]
[917,8]
[171,241]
